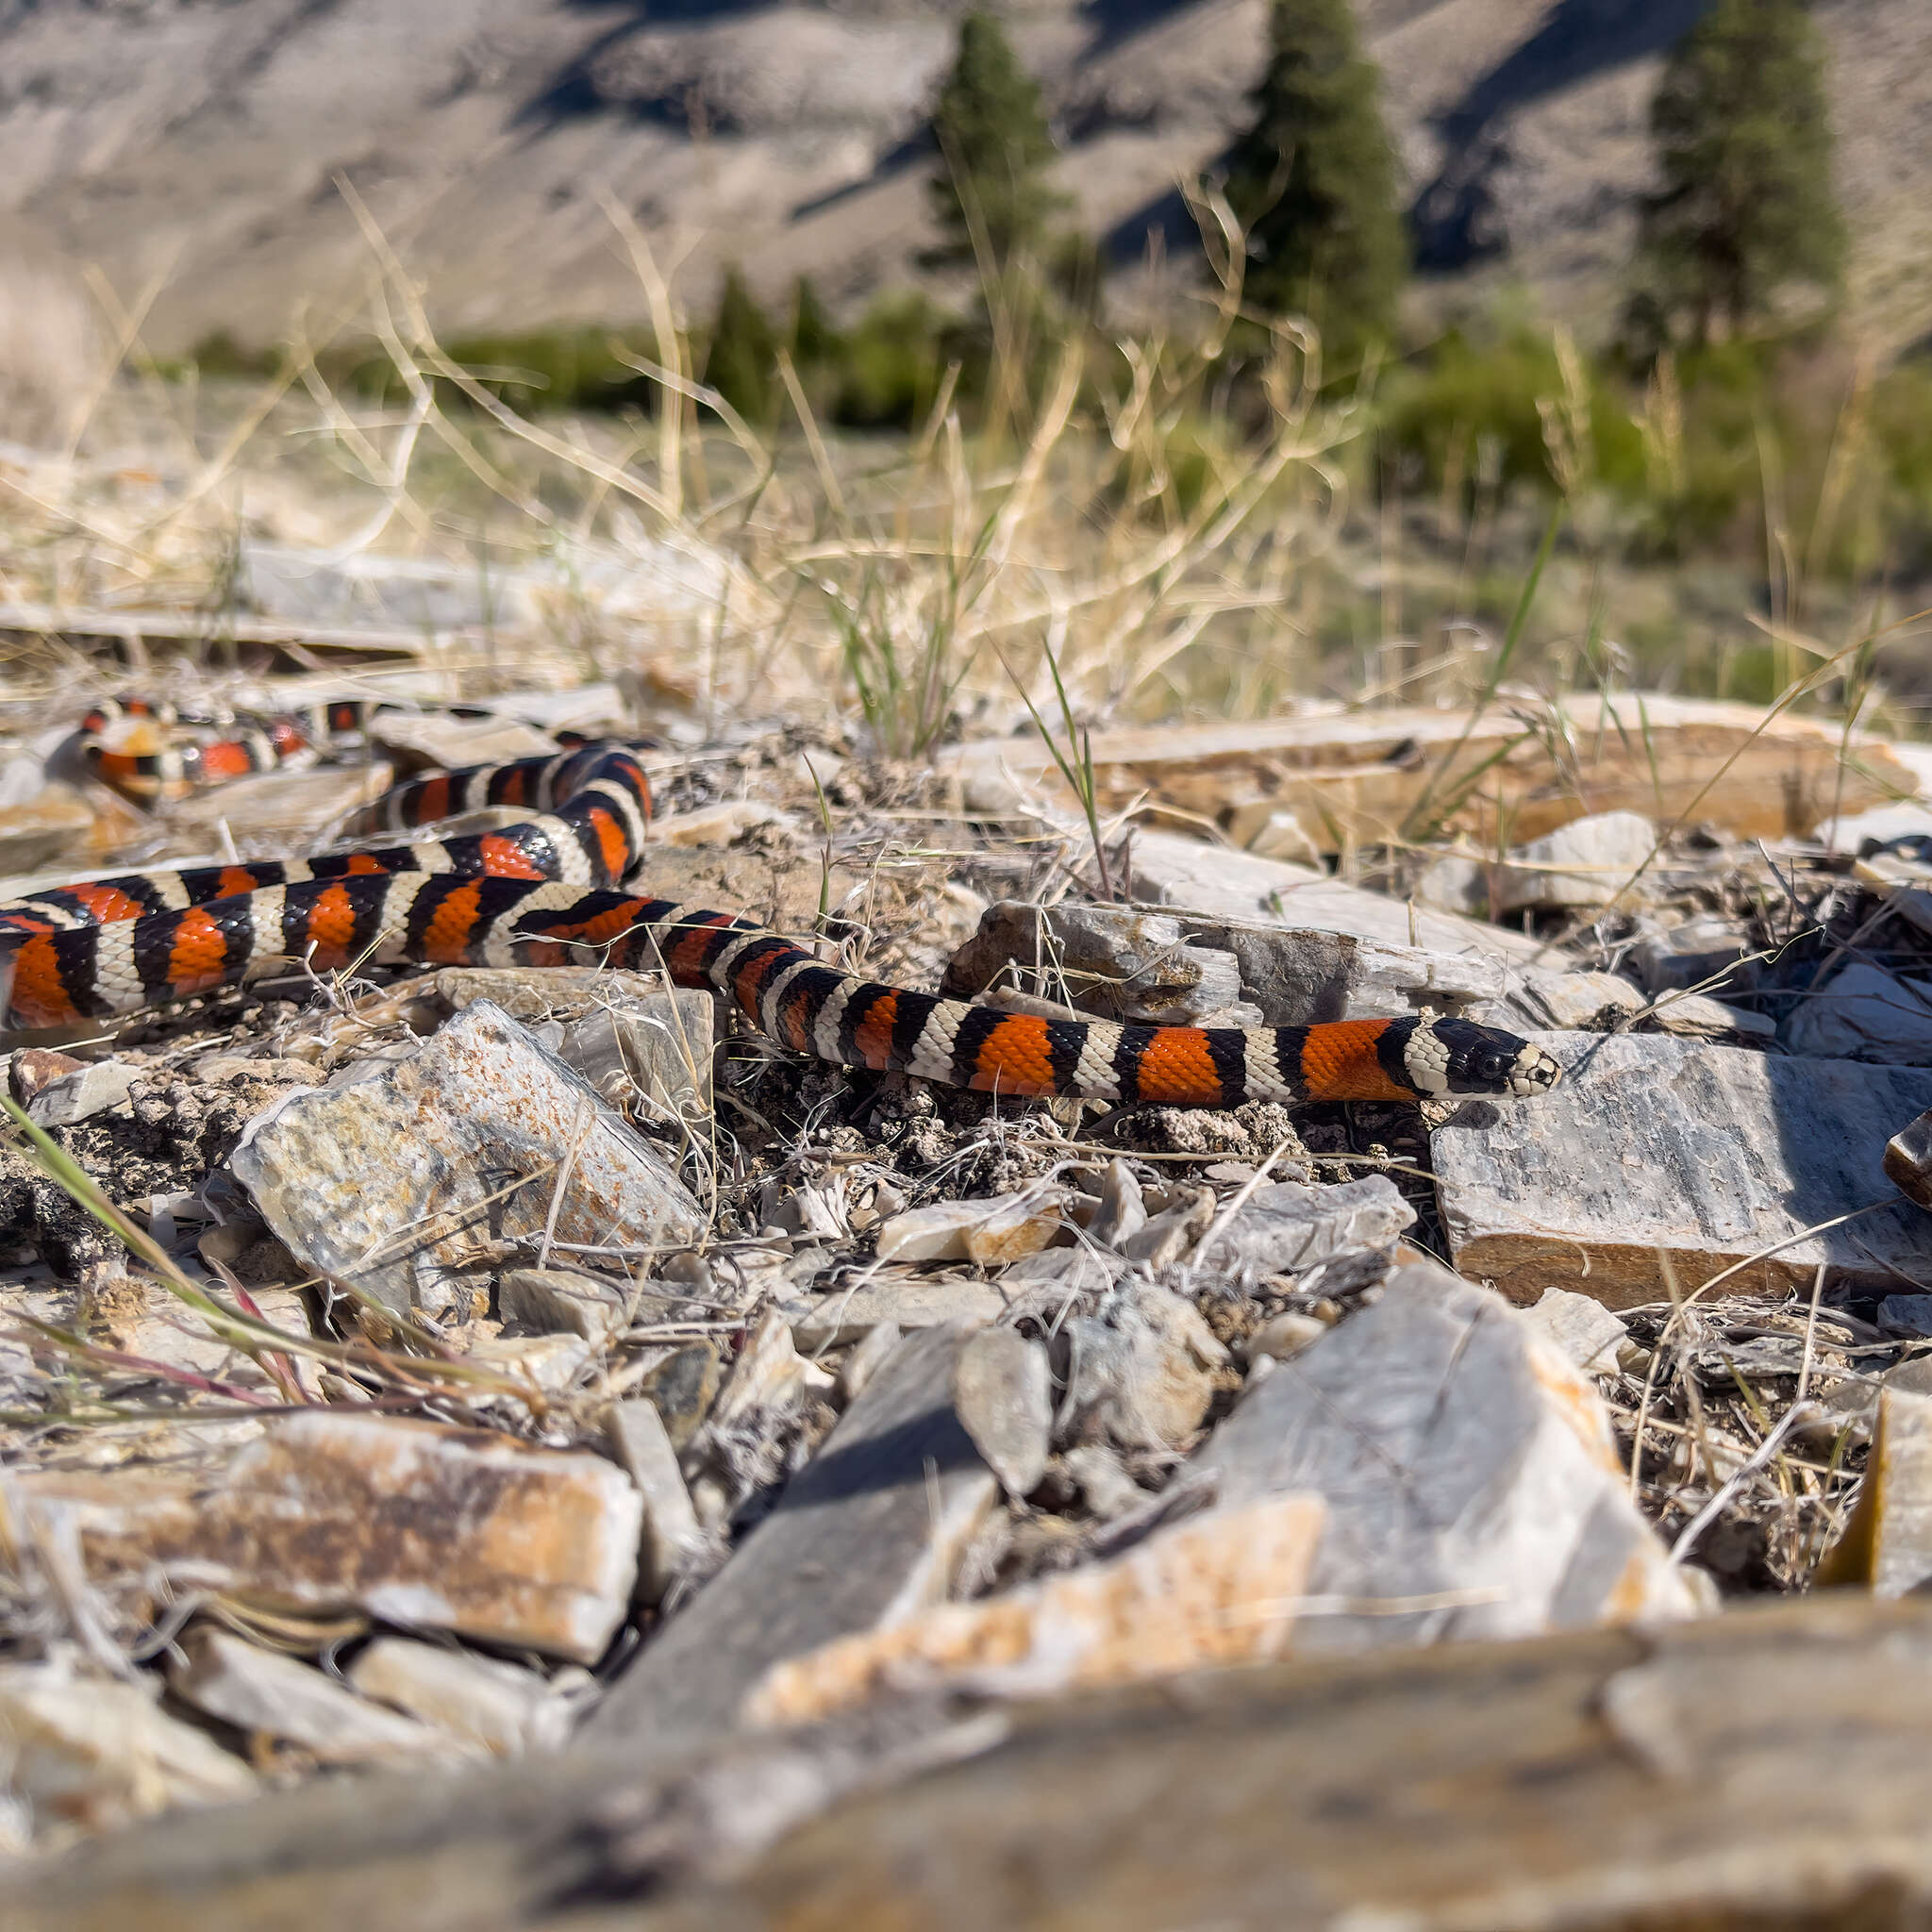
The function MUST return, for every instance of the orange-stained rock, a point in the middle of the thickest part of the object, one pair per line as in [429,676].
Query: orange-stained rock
[423,1524]
[1215,1589]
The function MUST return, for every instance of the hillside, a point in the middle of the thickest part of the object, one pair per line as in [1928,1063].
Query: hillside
[192,147]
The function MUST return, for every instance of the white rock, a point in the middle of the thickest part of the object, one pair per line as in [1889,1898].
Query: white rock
[479,1700]
[1697,1016]
[1285,1228]
[561,1301]
[1001,1228]
[1140,1369]
[670,1533]
[1582,1329]
[382,1181]
[263,1690]
[100,1754]
[1583,863]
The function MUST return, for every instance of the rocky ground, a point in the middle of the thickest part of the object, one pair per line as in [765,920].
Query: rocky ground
[429,1368]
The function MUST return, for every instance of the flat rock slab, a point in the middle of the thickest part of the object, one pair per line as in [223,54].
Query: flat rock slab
[428,1527]
[850,1314]
[480,1138]
[1468,1469]
[866,1534]
[1707,1154]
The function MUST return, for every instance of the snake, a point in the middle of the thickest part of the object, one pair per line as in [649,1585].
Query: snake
[566,886]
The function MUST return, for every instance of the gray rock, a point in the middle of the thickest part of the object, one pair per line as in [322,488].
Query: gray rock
[1139,1370]
[1693,954]
[1863,1013]
[1907,1315]
[867,1353]
[682,1389]
[1121,1212]
[1583,863]
[83,1093]
[849,1314]
[1003,1390]
[1284,1336]
[561,1301]
[670,1533]
[1462,1464]
[388,1181]
[1106,1487]
[655,1049]
[1285,1228]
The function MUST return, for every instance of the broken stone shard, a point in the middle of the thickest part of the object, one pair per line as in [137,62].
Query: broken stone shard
[1887,1544]
[479,1141]
[481,1702]
[1471,1482]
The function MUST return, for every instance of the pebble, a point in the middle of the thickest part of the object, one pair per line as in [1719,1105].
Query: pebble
[683,1387]
[998,1229]
[80,1094]
[561,1301]
[1286,1228]
[1140,1369]
[481,1702]
[1586,1332]
[671,1535]
[850,1314]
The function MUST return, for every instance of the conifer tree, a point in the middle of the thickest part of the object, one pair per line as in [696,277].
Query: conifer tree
[1312,181]
[742,362]
[994,146]
[1744,211]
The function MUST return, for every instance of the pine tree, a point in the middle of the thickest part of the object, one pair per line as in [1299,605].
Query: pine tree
[818,348]
[995,147]
[1745,209]
[741,363]
[1313,181]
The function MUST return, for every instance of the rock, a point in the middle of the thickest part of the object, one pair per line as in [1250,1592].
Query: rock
[546,992]
[1562,1002]
[1864,1013]
[998,1229]
[1704,952]
[96,1754]
[479,1700]
[1584,1332]
[682,1389]
[1585,864]
[56,824]
[264,1692]
[1139,1374]
[657,1050]
[1292,974]
[329,1506]
[1697,1016]
[765,1379]
[1710,1153]
[84,1092]
[1278,835]
[1862,833]
[1123,1212]
[872,1349]
[1909,1159]
[32,1069]
[670,1533]
[1886,1547]
[1907,1315]
[1164,1237]
[451,743]
[1284,1336]
[723,823]
[1106,1487]
[549,1361]
[1210,1591]
[1285,1228]
[266,809]
[1003,1393]
[381,1181]
[1460,1458]
[559,1301]
[865,1534]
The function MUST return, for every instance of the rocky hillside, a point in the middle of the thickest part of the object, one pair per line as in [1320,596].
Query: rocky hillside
[193,148]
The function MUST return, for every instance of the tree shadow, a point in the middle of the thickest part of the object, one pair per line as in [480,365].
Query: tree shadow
[1457,221]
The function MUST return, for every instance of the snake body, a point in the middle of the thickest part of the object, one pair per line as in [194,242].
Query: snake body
[551,890]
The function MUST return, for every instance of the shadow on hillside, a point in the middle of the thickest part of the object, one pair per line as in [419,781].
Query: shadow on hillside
[1114,21]
[575,91]
[1455,219]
